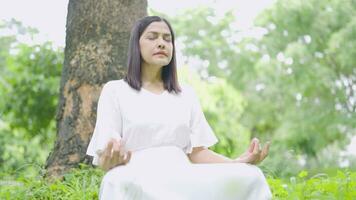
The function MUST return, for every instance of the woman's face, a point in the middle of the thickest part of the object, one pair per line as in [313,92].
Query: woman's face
[156,44]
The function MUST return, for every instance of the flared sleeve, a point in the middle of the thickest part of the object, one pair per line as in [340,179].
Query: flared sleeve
[201,133]
[108,121]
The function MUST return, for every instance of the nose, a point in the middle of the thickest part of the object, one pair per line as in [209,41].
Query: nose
[161,44]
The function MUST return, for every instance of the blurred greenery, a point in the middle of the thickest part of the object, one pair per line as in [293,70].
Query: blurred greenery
[295,71]
[233,138]
[290,79]
[29,87]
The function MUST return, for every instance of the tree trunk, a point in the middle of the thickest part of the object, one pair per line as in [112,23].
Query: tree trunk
[97,38]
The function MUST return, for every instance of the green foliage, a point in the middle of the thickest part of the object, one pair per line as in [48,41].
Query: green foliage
[29,88]
[297,80]
[21,155]
[216,37]
[303,73]
[341,48]
[320,186]
[217,97]
[217,43]
[81,183]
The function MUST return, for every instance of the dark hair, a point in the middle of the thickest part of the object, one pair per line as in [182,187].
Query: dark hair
[133,74]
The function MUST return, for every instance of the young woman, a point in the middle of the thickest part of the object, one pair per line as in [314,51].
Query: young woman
[152,138]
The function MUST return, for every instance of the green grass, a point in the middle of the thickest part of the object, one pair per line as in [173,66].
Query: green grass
[83,183]
[320,186]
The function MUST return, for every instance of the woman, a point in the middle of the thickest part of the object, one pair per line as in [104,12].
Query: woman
[152,138]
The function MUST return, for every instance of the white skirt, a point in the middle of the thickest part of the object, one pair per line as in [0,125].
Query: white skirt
[163,173]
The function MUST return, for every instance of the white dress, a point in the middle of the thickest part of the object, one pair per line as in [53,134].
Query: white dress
[160,130]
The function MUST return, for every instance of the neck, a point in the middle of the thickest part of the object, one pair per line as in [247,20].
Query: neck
[151,74]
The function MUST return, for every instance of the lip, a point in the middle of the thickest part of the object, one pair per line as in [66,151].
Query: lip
[161,53]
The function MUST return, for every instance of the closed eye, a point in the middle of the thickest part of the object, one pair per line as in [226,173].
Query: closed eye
[168,39]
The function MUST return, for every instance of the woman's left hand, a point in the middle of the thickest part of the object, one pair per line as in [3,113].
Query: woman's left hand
[254,154]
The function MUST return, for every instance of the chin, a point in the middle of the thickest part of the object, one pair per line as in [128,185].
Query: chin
[161,63]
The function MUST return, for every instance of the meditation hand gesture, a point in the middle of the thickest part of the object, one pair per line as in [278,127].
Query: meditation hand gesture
[254,153]
[114,155]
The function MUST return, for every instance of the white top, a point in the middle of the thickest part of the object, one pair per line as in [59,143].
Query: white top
[143,119]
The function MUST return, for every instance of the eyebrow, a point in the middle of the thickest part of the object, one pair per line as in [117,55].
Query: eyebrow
[156,33]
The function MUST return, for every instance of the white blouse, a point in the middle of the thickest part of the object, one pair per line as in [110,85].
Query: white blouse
[143,119]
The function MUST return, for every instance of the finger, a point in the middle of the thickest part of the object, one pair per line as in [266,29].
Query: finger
[122,150]
[108,149]
[110,144]
[258,143]
[260,147]
[256,147]
[265,151]
[102,159]
[116,154]
[252,145]
[256,154]
[115,159]
[116,145]
[128,157]
[250,158]
[253,159]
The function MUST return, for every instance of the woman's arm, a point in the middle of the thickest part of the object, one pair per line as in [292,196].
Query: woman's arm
[253,155]
[204,155]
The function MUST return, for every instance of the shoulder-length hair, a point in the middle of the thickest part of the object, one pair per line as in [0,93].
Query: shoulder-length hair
[134,61]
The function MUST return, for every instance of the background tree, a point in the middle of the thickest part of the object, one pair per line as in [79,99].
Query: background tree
[96,46]
[296,73]
[311,88]
[29,80]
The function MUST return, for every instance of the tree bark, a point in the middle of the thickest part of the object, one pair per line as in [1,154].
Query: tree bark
[97,35]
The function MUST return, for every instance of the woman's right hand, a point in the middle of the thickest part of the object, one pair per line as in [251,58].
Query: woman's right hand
[114,155]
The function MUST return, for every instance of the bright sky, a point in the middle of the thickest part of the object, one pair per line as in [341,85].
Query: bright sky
[49,17]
